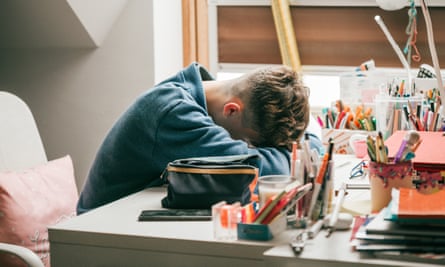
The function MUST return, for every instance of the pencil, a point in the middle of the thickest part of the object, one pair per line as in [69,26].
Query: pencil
[371,148]
[382,148]
[401,88]
[416,145]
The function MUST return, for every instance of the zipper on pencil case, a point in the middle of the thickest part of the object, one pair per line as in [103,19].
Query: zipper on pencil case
[212,171]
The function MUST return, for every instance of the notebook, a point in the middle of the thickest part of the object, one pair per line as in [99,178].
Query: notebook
[413,204]
[430,156]
[380,226]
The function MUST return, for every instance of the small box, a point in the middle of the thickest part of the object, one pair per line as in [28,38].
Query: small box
[341,138]
[225,218]
[262,232]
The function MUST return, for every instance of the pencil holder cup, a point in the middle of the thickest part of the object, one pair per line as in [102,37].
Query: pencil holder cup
[271,185]
[383,177]
[391,113]
[358,144]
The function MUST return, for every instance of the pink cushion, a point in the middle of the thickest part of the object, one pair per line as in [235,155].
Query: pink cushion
[33,199]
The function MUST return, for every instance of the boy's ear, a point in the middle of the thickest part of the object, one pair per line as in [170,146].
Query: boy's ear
[232,107]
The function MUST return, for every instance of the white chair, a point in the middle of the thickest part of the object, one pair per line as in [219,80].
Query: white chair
[20,148]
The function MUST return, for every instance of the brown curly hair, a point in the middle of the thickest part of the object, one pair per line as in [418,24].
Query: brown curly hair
[277,105]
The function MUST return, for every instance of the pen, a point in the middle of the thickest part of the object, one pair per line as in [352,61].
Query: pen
[416,145]
[294,158]
[358,186]
[401,148]
[415,118]
[330,118]
[382,155]
[409,141]
[315,229]
[401,88]
[320,121]
[334,216]
[321,173]
[339,119]
[308,156]
[328,190]
[407,117]
[315,160]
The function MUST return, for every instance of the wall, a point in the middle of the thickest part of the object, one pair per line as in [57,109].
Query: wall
[76,94]
[167,46]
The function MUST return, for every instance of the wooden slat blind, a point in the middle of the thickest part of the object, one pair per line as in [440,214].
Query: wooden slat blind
[337,36]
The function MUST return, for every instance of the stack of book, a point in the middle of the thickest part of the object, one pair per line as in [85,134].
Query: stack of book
[411,227]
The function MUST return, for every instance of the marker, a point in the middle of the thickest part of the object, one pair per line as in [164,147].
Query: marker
[401,148]
[315,229]
[321,174]
[320,122]
[307,156]
[383,157]
[334,216]
[409,142]
[328,190]
[416,145]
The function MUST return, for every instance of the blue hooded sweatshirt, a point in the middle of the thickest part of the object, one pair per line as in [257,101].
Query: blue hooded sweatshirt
[167,122]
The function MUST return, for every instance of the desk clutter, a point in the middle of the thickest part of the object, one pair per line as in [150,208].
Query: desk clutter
[261,207]
[303,200]
[373,100]
[408,199]
[306,209]
[411,227]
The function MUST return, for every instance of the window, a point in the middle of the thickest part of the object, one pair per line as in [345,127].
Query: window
[332,37]
[323,88]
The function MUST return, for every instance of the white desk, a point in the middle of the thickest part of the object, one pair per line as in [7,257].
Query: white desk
[334,251]
[112,236]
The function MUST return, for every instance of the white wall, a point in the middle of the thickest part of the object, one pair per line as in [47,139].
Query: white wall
[97,16]
[168,31]
[77,94]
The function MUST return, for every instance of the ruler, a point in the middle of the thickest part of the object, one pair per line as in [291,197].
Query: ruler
[286,35]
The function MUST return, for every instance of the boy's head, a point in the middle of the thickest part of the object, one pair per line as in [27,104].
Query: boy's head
[277,105]
[266,107]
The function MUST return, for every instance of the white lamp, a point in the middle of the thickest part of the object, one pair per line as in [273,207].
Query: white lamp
[391,4]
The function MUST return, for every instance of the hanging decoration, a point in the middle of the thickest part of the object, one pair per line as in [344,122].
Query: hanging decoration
[411,31]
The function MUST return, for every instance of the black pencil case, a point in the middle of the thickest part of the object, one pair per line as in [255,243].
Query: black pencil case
[198,183]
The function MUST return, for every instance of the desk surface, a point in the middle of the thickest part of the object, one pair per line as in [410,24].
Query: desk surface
[112,236]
